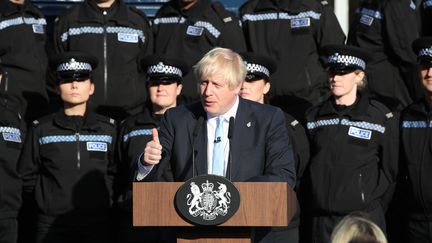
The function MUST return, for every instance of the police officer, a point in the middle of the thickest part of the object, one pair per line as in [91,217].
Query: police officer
[188,29]
[164,84]
[256,86]
[416,140]
[12,129]
[22,29]
[292,32]
[116,34]
[354,147]
[387,29]
[68,160]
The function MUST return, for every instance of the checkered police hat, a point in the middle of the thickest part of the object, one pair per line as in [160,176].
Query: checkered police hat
[163,69]
[345,59]
[423,48]
[74,65]
[258,66]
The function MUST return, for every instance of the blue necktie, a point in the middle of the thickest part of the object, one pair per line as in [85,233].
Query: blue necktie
[218,153]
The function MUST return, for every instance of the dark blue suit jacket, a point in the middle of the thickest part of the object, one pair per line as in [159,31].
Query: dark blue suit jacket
[260,146]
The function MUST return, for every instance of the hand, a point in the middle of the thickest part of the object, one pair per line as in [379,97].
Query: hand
[153,150]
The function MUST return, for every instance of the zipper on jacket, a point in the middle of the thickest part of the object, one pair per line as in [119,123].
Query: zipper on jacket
[77,136]
[422,161]
[361,187]
[105,76]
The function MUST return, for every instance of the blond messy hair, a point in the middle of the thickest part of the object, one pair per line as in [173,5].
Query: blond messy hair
[219,59]
[356,229]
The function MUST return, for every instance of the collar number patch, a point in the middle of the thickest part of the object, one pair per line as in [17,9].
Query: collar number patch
[38,29]
[130,38]
[194,30]
[12,137]
[360,133]
[97,146]
[300,23]
[366,20]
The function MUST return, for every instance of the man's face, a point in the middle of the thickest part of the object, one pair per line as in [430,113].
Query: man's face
[164,95]
[426,77]
[216,96]
[76,92]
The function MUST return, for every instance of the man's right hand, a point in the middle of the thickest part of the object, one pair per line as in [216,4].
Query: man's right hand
[153,150]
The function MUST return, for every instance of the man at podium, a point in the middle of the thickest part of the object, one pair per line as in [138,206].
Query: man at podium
[203,137]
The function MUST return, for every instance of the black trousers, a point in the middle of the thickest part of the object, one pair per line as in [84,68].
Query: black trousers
[8,230]
[419,231]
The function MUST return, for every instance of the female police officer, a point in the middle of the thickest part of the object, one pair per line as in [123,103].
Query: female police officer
[68,163]
[164,84]
[353,147]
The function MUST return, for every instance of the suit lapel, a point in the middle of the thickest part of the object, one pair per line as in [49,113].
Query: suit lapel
[240,131]
[200,144]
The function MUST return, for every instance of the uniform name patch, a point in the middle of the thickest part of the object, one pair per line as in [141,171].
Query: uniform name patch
[359,133]
[38,29]
[97,146]
[194,30]
[366,20]
[300,23]
[130,38]
[12,137]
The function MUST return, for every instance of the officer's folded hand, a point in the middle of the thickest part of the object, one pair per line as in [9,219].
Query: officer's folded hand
[153,150]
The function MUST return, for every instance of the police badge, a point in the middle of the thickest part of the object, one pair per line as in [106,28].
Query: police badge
[207,200]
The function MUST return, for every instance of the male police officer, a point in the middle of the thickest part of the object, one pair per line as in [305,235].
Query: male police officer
[12,130]
[115,34]
[188,29]
[416,140]
[22,28]
[292,32]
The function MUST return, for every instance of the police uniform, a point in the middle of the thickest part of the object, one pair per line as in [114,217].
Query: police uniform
[22,28]
[354,153]
[416,140]
[262,67]
[116,36]
[12,131]
[135,132]
[426,16]
[292,32]
[387,29]
[68,166]
[190,34]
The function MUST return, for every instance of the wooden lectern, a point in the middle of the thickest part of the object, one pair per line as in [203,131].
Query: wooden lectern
[261,204]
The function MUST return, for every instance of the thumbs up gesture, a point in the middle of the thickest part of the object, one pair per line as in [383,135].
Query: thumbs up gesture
[153,150]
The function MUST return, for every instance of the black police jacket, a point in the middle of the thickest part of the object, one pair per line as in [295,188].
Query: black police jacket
[190,34]
[116,37]
[354,156]
[68,169]
[12,134]
[22,29]
[416,143]
[292,32]
[426,15]
[387,29]
[135,132]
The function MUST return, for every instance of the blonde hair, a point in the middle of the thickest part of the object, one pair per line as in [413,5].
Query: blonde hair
[356,229]
[219,59]
[362,84]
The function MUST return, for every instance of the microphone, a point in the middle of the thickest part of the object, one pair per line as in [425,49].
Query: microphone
[196,131]
[230,135]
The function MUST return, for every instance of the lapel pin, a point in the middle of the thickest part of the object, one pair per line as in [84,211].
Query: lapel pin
[248,124]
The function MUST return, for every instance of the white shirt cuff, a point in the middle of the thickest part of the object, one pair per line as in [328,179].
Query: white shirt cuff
[143,170]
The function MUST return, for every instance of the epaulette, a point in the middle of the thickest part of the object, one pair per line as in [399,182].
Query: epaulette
[35,123]
[223,14]
[105,119]
[294,123]
[383,108]
[324,3]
